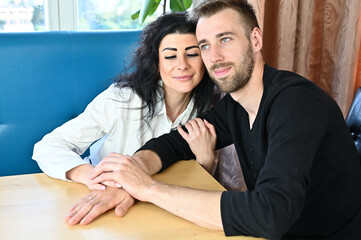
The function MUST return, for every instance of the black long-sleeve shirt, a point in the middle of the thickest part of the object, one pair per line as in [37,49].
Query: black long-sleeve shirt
[298,160]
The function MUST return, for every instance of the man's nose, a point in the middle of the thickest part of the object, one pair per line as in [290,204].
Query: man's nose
[216,55]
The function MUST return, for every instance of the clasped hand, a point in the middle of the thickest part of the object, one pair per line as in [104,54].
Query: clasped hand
[201,138]
[126,172]
[126,178]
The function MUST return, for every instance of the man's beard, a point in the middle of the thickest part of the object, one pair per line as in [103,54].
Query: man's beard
[241,76]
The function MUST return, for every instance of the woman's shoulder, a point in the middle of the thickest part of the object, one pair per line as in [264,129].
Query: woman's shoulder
[118,93]
[123,97]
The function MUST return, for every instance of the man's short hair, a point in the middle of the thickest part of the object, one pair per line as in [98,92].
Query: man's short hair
[246,12]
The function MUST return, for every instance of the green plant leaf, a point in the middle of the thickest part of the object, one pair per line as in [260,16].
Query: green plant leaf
[147,6]
[156,4]
[187,3]
[179,5]
[175,6]
[135,15]
[150,6]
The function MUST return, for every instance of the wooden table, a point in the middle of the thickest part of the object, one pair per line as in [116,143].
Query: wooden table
[34,206]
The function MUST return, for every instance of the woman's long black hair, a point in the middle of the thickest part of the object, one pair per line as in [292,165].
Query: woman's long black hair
[144,76]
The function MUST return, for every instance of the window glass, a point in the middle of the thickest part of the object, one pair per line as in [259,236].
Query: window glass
[110,14]
[22,15]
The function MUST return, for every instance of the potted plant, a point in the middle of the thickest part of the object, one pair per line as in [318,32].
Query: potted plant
[150,6]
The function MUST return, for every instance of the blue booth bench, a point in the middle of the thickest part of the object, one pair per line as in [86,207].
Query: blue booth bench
[48,78]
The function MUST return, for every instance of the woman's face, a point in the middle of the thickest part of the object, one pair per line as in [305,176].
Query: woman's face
[180,64]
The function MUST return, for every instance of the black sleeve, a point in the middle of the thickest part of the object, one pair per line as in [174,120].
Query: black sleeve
[295,124]
[172,147]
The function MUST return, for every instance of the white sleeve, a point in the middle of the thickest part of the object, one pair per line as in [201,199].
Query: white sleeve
[60,150]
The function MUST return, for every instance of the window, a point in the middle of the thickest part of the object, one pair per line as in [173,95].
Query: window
[22,15]
[110,14]
[40,15]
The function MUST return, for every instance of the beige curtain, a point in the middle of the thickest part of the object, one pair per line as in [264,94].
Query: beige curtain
[318,39]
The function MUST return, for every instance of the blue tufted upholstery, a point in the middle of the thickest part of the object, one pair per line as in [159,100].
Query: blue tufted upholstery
[353,120]
[48,78]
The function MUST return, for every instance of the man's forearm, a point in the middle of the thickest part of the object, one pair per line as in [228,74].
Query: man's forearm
[197,206]
[151,160]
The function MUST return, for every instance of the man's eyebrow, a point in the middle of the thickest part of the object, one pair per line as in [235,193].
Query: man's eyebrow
[190,47]
[201,42]
[219,35]
[169,48]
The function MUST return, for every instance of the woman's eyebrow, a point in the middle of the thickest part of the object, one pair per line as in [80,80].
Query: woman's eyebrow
[169,48]
[190,47]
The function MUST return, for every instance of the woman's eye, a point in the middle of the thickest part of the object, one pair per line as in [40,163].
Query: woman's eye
[191,55]
[204,47]
[226,39]
[169,57]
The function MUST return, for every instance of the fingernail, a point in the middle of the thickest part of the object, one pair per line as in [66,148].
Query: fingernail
[82,221]
[103,187]
[118,185]
[71,221]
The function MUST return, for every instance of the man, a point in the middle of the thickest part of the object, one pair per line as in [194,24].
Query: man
[297,156]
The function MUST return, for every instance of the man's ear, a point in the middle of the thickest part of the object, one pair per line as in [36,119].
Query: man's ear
[256,39]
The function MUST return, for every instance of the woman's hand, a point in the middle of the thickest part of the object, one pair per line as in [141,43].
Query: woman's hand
[82,174]
[201,138]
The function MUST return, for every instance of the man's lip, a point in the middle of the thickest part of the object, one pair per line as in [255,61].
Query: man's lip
[221,71]
[183,78]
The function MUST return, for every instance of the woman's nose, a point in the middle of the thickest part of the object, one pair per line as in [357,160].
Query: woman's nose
[183,63]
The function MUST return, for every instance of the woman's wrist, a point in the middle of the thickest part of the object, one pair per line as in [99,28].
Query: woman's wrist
[206,162]
[81,174]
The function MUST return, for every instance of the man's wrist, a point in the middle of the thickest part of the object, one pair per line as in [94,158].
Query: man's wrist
[150,160]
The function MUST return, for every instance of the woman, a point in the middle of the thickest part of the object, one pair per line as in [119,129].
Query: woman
[167,86]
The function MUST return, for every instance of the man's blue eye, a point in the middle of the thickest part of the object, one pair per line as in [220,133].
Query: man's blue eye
[204,47]
[224,40]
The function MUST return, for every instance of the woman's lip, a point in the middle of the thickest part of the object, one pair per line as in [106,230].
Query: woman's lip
[184,78]
[221,72]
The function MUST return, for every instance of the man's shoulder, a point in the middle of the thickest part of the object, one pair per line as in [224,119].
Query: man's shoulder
[281,79]
[291,89]
[278,82]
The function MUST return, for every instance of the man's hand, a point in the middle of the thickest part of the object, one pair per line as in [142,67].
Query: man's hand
[125,172]
[98,202]
[201,138]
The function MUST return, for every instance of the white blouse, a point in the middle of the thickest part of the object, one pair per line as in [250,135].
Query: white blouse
[116,118]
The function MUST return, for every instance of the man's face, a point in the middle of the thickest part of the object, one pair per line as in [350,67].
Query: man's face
[226,51]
